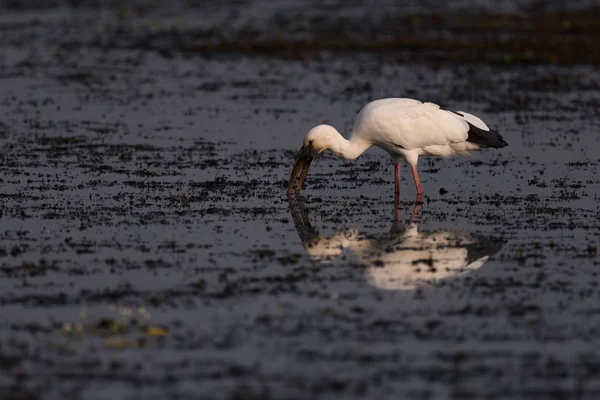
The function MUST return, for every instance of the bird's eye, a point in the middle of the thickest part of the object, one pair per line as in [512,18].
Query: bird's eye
[310,142]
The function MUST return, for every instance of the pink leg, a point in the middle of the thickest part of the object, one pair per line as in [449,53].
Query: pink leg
[397,192]
[417,180]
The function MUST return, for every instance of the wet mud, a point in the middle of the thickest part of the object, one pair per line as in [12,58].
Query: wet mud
[149,249]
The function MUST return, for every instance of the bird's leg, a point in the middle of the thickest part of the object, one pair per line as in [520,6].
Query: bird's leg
[397,181]
[417,180]
[397,191]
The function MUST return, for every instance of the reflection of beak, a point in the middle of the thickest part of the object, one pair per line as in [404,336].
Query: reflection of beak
[303,160]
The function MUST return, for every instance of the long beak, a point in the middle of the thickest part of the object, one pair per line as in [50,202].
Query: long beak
[303,160]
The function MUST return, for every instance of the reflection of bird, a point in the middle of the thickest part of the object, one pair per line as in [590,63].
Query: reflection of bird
[405,128]
[404,258]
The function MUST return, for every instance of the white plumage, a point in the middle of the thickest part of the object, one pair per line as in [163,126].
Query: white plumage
[406,129]
[408,123]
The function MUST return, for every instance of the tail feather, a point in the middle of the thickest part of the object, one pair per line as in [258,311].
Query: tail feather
[485,138]
[479,132]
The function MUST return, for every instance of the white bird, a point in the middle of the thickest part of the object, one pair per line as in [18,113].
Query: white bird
[406,129]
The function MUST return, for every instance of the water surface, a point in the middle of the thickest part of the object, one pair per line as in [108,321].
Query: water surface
[149,247]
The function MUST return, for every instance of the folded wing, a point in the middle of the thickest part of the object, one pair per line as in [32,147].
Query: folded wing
[410,124]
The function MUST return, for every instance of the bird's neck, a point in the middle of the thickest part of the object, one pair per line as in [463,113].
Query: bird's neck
[348,149]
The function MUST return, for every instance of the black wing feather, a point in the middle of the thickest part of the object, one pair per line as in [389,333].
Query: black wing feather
[485,138]
[482,137]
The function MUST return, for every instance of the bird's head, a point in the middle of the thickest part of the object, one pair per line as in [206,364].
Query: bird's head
[318,139]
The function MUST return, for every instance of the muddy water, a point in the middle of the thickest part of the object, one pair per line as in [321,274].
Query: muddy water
[149,249]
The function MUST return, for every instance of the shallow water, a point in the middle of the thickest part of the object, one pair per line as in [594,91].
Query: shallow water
[149,247]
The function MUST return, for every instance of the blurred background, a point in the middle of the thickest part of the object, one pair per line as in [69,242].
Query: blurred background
[485,31]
